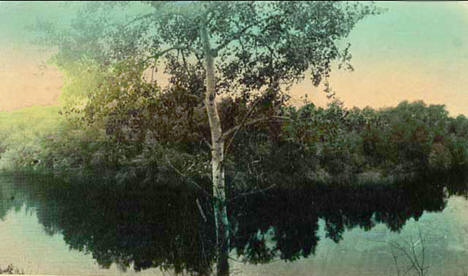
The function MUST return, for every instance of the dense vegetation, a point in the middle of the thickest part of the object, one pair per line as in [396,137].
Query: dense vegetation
[128,128]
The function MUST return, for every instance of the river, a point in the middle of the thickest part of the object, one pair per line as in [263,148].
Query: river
[49,226]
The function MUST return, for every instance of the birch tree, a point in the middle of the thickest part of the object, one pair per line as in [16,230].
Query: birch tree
[252,50]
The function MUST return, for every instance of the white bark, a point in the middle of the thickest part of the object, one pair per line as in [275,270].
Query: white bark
[217,160]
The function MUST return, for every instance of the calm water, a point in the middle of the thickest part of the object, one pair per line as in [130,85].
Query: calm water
[49,227]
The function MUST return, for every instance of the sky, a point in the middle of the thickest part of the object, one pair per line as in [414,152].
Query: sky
[412,51]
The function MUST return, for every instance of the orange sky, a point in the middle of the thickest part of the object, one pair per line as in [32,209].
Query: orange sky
[26,81]
[414,51]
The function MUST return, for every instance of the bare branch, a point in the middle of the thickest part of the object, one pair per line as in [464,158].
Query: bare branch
[264,119]
[254,192]
[201,210]
[163,52]
[145,16]
[242,123]
[184,176]
[409,251]
[208,144]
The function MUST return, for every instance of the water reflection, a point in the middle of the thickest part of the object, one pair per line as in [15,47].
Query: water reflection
[164,226]
[292,217]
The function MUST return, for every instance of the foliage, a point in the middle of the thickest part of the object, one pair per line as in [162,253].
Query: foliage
[123,125]
[258,46]
[131,133]
[21,132]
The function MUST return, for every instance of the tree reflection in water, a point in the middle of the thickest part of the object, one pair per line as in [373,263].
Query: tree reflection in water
[163,226]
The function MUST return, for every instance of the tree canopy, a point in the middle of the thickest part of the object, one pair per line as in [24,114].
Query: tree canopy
[257,45]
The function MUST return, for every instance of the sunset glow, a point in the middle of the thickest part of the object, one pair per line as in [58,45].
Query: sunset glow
[412,51]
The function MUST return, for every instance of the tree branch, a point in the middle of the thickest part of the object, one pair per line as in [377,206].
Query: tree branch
[238,127]
[184,176]
[185,63]
[139,18]
[201,210]
[242,123]
[234,37]
[163,52]
[253,192]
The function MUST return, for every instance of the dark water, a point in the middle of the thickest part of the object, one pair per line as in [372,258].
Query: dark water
[92,228]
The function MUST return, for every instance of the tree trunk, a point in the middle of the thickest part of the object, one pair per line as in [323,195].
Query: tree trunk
[217,161]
